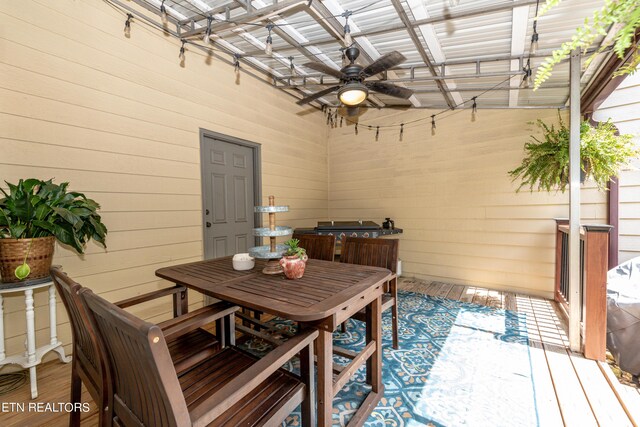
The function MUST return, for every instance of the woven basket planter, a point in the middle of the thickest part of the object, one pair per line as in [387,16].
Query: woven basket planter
[13,251]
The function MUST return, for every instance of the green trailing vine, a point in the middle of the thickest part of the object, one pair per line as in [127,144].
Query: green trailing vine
[626,13]
[546,163]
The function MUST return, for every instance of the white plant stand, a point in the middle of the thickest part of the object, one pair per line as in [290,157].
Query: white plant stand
[32,357]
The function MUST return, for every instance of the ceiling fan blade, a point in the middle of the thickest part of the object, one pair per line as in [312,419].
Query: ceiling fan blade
[383,63]
[317,95]
[323,68]
[389,89]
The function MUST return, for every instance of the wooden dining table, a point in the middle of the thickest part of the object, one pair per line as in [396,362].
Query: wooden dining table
[327,295]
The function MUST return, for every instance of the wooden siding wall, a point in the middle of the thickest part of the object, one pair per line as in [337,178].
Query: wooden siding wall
[623,107]
[462,220]
[120,119]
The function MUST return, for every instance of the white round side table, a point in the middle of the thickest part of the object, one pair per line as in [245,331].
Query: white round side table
[32,357]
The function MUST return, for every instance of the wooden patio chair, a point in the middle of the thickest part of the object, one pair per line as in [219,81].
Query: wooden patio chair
[376,253]
[188,343]
[229,388]
[318,246]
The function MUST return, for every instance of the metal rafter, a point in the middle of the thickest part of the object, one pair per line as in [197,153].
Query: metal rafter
[423,53]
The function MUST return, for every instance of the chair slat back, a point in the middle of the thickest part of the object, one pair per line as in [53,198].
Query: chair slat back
[85,346]
[371,252]
[318,246]
[145,385]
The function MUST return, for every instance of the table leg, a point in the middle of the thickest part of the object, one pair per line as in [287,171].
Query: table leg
[31,340]
[374,333]
[324,353]
[2,353]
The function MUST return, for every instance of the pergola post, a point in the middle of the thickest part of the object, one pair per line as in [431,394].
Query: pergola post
[575,291]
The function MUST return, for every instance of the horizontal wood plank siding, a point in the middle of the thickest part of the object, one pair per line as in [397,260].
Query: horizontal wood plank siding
[623,107]
[463,221]
[120,119]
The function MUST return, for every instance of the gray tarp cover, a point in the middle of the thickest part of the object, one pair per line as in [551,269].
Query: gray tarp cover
[623,315]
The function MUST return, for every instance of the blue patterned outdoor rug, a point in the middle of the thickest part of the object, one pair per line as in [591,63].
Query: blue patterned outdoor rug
[459,364]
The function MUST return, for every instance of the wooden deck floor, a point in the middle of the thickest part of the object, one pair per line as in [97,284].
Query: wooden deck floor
[570,390]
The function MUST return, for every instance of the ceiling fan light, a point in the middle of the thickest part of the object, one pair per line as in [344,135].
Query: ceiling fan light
[353,94]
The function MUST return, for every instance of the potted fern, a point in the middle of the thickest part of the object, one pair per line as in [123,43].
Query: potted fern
[603,154]
[294,260]
[33,215]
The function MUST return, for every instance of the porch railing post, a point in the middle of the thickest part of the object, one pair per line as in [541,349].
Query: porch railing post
[559,248]
[596,255]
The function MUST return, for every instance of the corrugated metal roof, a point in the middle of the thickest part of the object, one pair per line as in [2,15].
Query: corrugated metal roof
[454,38]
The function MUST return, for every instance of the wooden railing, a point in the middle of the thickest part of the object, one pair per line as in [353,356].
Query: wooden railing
[594,255]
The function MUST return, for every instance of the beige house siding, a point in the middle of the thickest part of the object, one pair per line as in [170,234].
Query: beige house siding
[462,221]
[120,119]
[623,107]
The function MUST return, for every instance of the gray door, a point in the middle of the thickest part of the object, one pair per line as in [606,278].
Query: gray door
[228,197]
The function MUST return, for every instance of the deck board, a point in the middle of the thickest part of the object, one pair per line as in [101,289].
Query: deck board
[569,389]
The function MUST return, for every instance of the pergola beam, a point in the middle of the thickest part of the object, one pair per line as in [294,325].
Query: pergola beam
[423,54]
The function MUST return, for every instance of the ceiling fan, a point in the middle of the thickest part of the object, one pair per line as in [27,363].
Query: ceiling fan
[353,89]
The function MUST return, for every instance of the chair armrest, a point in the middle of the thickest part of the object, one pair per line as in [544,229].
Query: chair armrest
[180,325]
[232,392]
[139,299]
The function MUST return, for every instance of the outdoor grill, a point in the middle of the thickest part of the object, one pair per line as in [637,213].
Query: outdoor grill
[341,229]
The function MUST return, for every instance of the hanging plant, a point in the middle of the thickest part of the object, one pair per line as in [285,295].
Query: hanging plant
[626,13]
[546,164]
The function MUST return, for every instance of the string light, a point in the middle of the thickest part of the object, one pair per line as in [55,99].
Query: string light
[163,13]
[433,125]
[474,109]
[294,73]
[181,55]
[348,40]
[268,47]
[207,33]
[534,39]
[127,25]
[527,79]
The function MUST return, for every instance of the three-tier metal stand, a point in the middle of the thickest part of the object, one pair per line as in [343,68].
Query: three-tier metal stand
[272,251]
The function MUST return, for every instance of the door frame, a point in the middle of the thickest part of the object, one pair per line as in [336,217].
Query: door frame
[257,176]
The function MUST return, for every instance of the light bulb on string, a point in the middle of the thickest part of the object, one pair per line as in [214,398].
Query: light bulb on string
[268,47]
[474,110]
[207,33]
[527,79]
[433,125]
[164,17]
[534,39]
[292,67]
[181,55]
[127,25]
[348,40]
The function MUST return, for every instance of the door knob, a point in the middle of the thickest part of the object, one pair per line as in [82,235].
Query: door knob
[208,224]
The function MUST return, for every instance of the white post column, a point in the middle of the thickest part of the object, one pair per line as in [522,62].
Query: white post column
[31,340]
[575,291]
[52,315]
